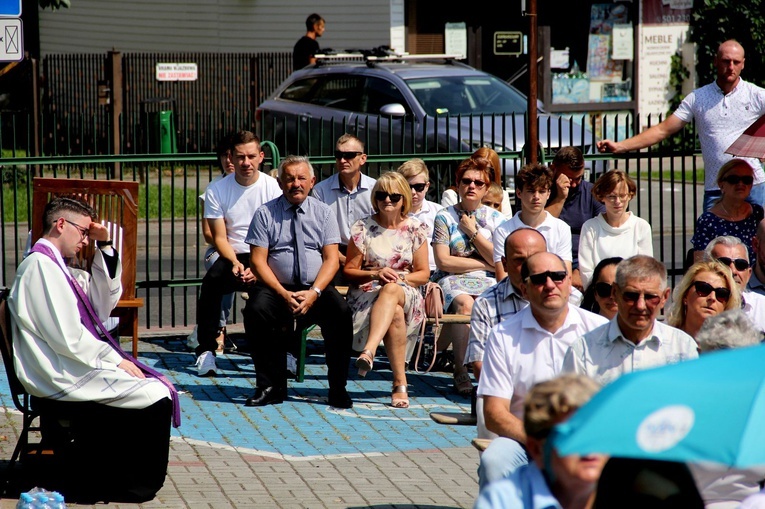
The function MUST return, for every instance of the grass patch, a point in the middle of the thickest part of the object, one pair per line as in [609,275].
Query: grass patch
[667,175]
[170,203]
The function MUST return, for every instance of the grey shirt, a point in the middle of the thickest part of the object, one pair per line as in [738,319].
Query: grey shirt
[348,206]
[272,228]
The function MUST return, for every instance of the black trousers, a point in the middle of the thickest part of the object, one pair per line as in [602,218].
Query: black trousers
[268,314]
[218,282]
[107,453]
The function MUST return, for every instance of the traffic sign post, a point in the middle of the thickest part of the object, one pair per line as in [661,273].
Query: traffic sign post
[10,8]
[11,40]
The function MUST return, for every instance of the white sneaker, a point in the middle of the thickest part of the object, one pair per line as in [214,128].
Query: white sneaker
[191,341]
[291,364]
[206,364]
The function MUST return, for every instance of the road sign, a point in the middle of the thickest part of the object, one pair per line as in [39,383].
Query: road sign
[10,8]
[11,41]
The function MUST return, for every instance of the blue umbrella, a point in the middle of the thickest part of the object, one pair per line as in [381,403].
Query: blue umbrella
[709,409]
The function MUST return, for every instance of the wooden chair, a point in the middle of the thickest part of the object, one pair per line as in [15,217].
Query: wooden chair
[116,203]
[21,399]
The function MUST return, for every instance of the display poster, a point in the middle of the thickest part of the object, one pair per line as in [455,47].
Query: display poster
[657,44]
[666,12]
[603,17]
[622,47]
[455,38]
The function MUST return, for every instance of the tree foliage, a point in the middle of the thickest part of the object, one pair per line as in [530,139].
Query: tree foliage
[55,4]
[714,21]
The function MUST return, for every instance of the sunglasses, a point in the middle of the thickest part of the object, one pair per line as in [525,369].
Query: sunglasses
[747,180]
[739,263]
[394,197]
[650,299]
[348,156]
[704,289]
[557,276]
[478,183]
[603,290]
[418,187]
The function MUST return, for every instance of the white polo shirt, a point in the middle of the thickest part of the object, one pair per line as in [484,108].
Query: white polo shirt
[556,233]
[753,306]
[604,354]
[520,353]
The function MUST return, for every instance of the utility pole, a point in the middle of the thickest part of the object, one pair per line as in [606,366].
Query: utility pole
[532,141]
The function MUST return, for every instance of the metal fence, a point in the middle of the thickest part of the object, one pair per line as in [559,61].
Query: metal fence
[170,244]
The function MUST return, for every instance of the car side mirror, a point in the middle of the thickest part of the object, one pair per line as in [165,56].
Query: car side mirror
[393,110]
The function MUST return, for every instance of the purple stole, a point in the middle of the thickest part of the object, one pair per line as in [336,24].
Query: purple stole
[92,322]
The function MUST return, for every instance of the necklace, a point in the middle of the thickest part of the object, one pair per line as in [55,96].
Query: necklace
[731,216]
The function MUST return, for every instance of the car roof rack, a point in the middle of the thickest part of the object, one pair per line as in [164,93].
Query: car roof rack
[381,54]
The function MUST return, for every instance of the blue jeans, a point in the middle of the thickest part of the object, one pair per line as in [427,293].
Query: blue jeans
[757,195]
[500,459]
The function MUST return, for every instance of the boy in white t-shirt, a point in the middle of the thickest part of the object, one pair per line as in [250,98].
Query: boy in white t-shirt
[532,186]
[230,204]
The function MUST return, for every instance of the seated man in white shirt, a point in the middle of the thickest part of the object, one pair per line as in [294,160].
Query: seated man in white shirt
[731,252]
[634,339]
[523,350]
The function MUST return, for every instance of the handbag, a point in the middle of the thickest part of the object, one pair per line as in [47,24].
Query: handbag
[433,305]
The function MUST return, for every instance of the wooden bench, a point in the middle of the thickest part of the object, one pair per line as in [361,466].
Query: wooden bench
[116,203]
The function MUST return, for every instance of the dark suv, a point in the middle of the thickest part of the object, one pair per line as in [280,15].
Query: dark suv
[406,105]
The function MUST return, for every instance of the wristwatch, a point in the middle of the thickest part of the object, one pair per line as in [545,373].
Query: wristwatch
[318,292]
[104,243]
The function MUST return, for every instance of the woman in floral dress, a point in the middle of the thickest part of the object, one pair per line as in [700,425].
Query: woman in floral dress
[463,250]
[386,262]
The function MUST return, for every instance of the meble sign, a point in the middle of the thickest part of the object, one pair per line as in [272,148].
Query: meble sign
[176,71]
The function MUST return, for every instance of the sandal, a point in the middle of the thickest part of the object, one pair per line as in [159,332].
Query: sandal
[364,362]
[462,384]
[398,401]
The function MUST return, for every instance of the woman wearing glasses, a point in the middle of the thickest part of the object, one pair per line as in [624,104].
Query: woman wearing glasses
[416,172]
[616,232]
[463,250]
[731,214]
[451,197]
[387,261]
[707,289]
[599,297]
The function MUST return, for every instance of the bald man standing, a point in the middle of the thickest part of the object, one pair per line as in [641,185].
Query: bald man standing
[722,111]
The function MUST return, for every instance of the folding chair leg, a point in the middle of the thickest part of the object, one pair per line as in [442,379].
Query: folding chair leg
[300,375]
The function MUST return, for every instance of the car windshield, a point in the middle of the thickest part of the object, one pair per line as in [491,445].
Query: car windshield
[454,95]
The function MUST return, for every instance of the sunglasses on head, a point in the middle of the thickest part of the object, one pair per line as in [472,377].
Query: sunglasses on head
[346,155]
[394,197]
[603,290]
[418,187]
[650,298]
[478,183]
[739,263]
[704,289]
[556,276]
[747,180]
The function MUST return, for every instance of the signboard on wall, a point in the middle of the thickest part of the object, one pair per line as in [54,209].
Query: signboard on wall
[455,39]
[658,43]
[509,43]
[176,71]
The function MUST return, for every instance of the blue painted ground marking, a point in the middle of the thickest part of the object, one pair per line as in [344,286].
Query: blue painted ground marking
[304,425]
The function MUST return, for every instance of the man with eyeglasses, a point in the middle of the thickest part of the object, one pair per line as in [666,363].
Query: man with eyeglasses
[88,389]
[523,350]
[634,339]
[571,200]
[732,253]
[348,192]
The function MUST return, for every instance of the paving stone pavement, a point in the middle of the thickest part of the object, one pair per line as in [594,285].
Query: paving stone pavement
[302,453]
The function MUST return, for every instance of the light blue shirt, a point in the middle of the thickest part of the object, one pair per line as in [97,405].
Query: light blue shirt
[348,206]
[523,489]
[271,228]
